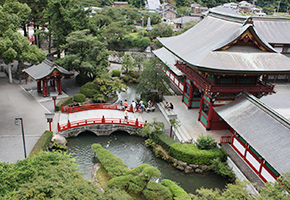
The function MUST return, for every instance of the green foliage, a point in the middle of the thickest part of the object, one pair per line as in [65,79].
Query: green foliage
[150,142]
[141,42]
[89,89]
[42,143]
[205,142]
[116,194]
[116,73]
[79,97]
[223,169]
[161,30]
[153,127]
[157,192]
[163,140]
[138,61]
[100,98]
[44,176]
[58,146]
[126,79]
[63,102]
[176,191]
[189,153]
[135,75]
[127,63]
[152,77]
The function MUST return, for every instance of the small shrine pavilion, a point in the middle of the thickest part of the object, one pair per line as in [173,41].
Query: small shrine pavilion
[219,58]
[47,73]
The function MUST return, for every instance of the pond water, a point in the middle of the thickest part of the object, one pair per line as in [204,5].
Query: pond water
[133,151]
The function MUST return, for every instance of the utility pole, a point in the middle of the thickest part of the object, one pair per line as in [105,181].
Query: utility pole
[278,6]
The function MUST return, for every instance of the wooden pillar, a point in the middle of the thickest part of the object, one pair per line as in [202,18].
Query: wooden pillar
[58,84]
[39,86]
[25,78]
[200,107]
[45,88]
[209,117]
[184,86]
[190,96]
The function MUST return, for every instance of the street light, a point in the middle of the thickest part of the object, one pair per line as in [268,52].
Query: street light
[49,117]
[171,117]
[54,97]
[16,121]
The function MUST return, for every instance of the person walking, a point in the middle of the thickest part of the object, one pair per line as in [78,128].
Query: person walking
[121,105]
[126,114]
[125,104]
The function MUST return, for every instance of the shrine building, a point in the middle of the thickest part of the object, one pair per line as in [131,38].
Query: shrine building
[223,55]
[47,74]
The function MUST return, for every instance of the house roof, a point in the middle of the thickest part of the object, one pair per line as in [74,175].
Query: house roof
[200,47]
[44,69]
[153,4]
[264,129]
[185,19]
[169,59]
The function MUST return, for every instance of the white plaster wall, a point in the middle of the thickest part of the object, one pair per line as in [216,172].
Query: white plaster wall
[253,161]
[267,175]
[238,145]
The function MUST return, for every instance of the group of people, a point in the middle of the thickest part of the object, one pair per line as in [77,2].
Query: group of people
[169,106]
[136,107]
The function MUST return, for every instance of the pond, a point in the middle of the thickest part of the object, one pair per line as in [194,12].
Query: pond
[133,151]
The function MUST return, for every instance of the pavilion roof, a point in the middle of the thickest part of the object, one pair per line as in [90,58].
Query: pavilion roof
[44,69]
[168,59]
[264,129]
[212,45]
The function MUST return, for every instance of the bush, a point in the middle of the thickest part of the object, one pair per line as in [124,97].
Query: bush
[79,97]
[205,142]
[89,89]
[163,140]
[100,98]
[176,191]
[42,143]
[190,154]
[116,73]
[157,192]
[223,169]
[63,102]
[135,75]
[126,79]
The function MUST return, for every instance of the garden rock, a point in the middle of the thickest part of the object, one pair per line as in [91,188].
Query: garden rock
[188,170]
[59,139]
[198,171]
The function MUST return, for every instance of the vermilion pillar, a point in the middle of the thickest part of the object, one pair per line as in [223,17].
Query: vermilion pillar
[38,86]
[58,85]
[45,88]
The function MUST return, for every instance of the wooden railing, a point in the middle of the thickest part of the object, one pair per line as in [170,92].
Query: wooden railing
[226,139]
[95,106]
[74,124]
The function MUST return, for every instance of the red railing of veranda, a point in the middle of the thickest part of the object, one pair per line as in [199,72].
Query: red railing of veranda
[86,122]
[94,106]
[226,139]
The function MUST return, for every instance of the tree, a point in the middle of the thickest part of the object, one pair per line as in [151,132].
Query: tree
[161,30]
[152,77]
[139,59]
[127,63]
[14,46]
[64,17]
[85,53]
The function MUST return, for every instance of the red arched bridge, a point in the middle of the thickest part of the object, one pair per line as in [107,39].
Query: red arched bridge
[100,118]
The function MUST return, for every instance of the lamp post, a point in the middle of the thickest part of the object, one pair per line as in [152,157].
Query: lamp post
[171,117]
[16,121]
[54,96]
[49,117]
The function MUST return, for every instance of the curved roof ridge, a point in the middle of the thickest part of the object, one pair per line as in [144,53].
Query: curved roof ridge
[228,17]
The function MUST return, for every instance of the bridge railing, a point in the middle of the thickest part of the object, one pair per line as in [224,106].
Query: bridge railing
[94,106]
[85,122]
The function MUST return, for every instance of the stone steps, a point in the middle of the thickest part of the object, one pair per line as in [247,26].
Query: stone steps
[180,132]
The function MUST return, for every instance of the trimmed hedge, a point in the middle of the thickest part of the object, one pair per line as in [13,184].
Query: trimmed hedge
[176,190]
[163,140]
[42,143]
[63,102]
[189,153]
[157,191]
[79,97]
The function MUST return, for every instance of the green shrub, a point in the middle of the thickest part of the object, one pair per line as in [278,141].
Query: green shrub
[42,143]
[79,97]
[63,102]
[156,191]
[116,73]
[100,98]
[205,142]
[89,89]
[116,194]
[135,75]
[126,79]
[176,191]
[163,140]
[190,154]
[223,169]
